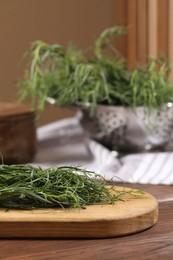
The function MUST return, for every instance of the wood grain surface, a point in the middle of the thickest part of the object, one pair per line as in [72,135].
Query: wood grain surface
[150,244]
[134,214]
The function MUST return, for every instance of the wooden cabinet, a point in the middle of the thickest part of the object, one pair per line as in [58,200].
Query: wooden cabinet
[150,29]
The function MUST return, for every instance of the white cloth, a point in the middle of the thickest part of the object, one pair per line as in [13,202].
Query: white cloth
[65,143]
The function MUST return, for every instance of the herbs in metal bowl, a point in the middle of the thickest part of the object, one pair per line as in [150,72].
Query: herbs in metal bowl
[27,187]
[70,77]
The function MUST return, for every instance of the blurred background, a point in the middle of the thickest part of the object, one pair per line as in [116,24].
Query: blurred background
[149,25]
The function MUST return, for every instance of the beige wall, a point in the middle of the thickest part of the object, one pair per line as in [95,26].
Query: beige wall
[62,21]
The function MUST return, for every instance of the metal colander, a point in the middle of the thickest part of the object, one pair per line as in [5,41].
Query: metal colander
[122,129]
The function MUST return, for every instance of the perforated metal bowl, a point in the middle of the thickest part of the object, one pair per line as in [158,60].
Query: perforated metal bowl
[126,130]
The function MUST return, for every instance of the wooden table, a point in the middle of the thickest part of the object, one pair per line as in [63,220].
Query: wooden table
[150,244]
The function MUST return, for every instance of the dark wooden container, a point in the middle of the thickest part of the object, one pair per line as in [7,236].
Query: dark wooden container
[17,134]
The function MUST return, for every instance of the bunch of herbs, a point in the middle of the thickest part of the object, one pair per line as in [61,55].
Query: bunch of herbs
[68,77]
[26,187]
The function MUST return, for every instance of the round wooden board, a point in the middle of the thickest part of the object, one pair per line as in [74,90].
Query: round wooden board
[133,215]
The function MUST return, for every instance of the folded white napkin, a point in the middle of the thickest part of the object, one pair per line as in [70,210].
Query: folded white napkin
[65,143]
[148,168]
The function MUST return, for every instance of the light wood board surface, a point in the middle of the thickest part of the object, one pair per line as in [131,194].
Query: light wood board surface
[132,215]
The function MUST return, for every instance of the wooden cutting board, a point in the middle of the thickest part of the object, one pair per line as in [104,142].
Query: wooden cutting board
[133,215]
